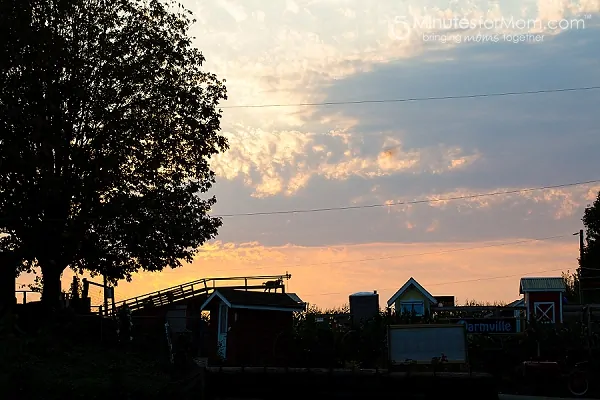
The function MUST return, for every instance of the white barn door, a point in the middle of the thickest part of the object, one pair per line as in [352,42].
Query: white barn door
[545,312]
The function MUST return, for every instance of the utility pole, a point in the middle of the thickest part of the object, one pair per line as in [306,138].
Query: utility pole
[581,247]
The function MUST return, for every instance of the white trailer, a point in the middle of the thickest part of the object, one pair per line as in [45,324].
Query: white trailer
[424,344]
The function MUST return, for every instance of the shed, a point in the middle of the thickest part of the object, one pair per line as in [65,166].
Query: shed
[245,325]
[543,299]
[412,297]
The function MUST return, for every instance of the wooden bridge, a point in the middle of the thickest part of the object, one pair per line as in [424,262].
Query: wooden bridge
[198,287]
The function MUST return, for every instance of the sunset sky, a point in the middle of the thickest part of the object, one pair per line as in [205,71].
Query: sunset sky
[304,157]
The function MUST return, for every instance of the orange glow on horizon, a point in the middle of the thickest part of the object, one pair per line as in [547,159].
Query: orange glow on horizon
[326,276]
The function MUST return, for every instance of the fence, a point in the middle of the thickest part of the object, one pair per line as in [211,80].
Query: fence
[315,342]
[23,296]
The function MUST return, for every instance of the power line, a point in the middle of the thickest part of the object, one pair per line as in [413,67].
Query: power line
[389,204]
[412,202]
[289,266]
[416,99]
[489,278]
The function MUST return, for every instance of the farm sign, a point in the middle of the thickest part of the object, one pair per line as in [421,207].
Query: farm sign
[489,325]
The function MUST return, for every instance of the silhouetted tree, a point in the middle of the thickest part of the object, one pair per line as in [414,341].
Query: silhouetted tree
[107,125]
[590,273]
[572,285]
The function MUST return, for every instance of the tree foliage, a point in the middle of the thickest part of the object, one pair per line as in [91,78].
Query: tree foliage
[572,285]
[589,263]
[107,125]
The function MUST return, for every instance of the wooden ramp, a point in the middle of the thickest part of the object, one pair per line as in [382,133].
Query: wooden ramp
[198,287]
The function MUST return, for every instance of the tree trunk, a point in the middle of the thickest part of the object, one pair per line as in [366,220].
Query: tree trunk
[7,295]
[7,299]
[51,273]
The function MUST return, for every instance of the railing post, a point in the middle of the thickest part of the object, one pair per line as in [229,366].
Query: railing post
[24,297]
[246,283]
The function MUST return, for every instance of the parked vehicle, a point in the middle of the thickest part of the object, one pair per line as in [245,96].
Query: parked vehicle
[559,377]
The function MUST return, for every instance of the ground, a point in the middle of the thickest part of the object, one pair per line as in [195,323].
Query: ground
[519,397]
[47,367]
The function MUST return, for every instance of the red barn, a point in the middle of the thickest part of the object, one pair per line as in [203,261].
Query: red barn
[244,325]
[543,299]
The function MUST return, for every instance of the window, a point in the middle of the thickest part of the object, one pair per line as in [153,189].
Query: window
[415,307]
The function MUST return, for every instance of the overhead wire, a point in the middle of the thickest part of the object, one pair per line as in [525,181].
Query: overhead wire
[410,202]
[418,99]
[386,204]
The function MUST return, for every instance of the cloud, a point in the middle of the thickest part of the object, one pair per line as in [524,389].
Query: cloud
[531,214]
[284,162]
[285,57]
[565,202]
[294,49]
[235,10]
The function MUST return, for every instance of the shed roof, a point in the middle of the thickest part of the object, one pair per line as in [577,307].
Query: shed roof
[257,300]
[516,303]
[529,285]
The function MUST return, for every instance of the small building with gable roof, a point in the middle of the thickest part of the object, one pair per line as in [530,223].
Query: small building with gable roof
[245,325]
[412,298]
[543,298]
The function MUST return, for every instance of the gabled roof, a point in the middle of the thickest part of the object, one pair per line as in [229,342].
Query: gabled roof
[516,303]
[404,288]
[257,300]
[529,285]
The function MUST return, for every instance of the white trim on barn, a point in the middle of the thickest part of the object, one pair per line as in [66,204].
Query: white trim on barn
[544,313]
[560,308]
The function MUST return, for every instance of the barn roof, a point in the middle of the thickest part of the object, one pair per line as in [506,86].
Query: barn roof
[529,285]
[257,300]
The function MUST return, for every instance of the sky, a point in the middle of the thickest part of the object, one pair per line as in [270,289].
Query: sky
[296,157]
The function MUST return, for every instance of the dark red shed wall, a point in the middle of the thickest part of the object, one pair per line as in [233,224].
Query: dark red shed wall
[251,340]
[554,297]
